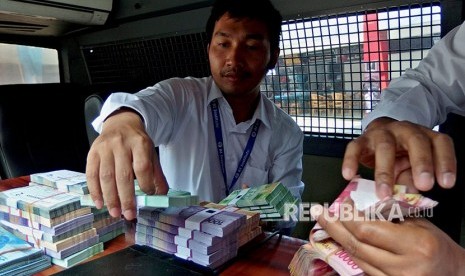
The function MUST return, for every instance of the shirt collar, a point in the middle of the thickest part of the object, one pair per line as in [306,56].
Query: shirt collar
[215,92]
[260,113]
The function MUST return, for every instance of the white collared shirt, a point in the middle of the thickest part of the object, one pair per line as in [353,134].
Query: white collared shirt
[426,94]
[178,118]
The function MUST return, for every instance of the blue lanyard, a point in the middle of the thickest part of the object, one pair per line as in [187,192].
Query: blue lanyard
[220,146]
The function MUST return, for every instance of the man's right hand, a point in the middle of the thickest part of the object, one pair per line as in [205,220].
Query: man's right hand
[122,151]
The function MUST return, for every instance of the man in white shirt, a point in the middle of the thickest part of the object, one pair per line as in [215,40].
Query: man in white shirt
[214,134]
[399,143]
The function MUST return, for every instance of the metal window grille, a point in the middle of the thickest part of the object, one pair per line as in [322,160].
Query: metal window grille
[332,69]
[147,61]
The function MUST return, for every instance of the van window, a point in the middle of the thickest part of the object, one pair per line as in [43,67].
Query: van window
[26,64]
[332,68]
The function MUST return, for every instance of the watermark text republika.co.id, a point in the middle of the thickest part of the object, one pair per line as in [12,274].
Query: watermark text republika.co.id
[347,212]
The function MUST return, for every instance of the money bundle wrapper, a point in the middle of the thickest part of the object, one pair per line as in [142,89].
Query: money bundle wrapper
[171,199]
[268,199]
[324,256]
[49,219]
[202,235]
[247,231]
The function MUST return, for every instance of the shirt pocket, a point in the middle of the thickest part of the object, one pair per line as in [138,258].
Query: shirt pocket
[253,176]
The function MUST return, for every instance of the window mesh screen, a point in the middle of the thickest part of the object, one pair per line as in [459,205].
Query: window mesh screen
[329,74]
[148,61]
[332,68]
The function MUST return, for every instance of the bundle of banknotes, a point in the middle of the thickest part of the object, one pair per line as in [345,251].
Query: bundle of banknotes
[323,256]
[63,180]
[203,235]
[247,231]
[172,198]
[268,199]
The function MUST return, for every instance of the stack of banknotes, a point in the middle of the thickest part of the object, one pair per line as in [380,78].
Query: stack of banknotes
[324,256]
[268,199]
[76,183]
[203,235]
[17,257]
[51,220]
[50,214]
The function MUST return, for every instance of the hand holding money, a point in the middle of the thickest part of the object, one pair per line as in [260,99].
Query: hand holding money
[369,244]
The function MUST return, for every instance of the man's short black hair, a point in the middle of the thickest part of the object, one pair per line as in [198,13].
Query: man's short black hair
[262,10]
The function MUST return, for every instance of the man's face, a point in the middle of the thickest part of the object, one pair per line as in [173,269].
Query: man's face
[239,55]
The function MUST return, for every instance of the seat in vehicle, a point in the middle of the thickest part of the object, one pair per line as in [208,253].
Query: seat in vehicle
[42,128]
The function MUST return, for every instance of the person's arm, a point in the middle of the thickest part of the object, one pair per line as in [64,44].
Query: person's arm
[129,125]
[122,151]
[394,140]
[410,247]
[426,94]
